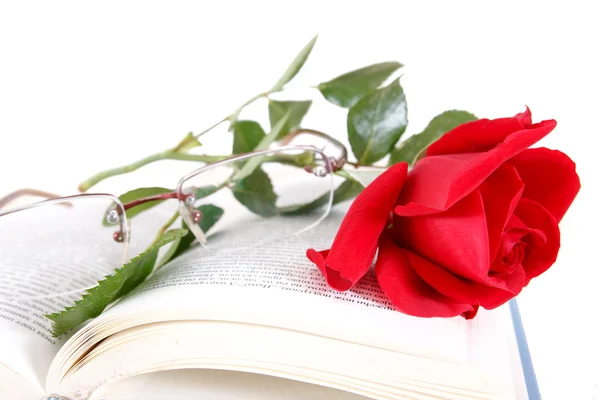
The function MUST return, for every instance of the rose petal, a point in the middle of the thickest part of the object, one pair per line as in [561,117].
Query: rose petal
[428,183]
[479,136]
[456,239]
[439,181]
[515,281]
[458,289]
[406,290]
[516,224]
[471,314]
[550,179]
[355,244]
[501,193]
[540,255]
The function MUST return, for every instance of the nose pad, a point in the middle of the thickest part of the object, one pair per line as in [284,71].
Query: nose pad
[319,171]
[118,236]
[114,217]
[196,217]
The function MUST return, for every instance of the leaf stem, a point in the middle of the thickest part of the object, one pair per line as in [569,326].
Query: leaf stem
[213,126]
[234,115]
[205,158]
[164,228]
[172,154]
[358,165]
[164,155]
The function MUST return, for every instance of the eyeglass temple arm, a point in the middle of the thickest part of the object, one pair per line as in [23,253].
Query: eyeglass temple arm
[338,162]
[47,195]
[25,192]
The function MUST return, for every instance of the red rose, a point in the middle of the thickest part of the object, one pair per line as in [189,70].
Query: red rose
[471,224]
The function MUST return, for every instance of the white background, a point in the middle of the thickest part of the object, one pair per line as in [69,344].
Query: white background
[88,86]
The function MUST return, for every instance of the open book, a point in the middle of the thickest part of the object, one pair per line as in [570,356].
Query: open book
[265,310]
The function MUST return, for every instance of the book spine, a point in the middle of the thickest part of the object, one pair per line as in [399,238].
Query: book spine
[533,391]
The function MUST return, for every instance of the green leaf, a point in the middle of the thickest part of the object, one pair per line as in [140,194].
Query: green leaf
[365,175]
[256,193]
[252,163]
[246,136]
[376,123]
[347,89]
[409,150]
[204,191]
[188,143]
[295,66]
[210,215]
[275,131]
[296,109]
[139,194]
[123,281]
[347,190]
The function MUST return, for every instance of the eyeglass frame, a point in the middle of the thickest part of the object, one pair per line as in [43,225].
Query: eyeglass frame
[332,164]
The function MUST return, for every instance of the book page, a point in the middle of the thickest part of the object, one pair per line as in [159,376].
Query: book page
[255,271]
[273,283]
[366,370]
[26,344]
[14,387]
[58,262]
[217,385]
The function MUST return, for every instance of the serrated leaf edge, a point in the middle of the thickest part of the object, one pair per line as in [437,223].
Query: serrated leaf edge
[168,237]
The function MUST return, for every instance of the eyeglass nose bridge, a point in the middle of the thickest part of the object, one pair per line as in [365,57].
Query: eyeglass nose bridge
[118,214]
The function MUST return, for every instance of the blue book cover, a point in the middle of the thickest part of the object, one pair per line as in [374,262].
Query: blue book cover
[533,391]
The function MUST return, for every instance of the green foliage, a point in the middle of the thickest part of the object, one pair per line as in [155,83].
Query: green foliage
[276,131]
[140,193]
[346,90]
[410,149]
[295,66]
[123,281]
[250,165]
[204,191]
[256,193]
[376,123]
[188,143]
[210,216]
[347,190]
[364,175]
[376,120]
[246,136]
[296,110]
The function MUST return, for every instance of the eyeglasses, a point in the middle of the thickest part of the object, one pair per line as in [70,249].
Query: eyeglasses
[57,248]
